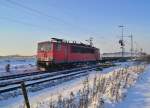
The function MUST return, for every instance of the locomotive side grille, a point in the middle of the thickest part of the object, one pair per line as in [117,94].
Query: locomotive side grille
[79,49]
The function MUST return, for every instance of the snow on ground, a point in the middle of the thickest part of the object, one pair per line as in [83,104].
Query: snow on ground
[139,95]
[17,65]
[45,94]
[41,99]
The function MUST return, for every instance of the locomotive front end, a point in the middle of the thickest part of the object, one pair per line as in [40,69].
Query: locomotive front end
[44,55]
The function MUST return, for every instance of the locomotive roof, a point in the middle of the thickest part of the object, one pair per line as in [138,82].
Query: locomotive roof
[55,40]
[81,44]
[43,42]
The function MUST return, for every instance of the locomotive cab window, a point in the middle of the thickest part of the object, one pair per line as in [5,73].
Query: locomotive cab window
[58,46]
[44,46]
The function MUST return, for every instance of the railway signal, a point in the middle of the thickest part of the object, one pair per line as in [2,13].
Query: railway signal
[122,43]
[122,39]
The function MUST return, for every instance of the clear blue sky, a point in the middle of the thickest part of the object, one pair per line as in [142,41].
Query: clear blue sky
[23,23]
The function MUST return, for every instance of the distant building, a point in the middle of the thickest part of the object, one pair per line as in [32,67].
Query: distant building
[119,54]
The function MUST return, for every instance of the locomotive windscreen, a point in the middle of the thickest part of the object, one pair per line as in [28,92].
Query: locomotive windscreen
[44,46]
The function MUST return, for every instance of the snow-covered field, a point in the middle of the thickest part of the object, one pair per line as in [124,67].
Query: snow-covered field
[118,90]
[17,65]
[138,96]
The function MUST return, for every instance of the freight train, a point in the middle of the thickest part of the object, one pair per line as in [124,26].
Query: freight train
[58,53]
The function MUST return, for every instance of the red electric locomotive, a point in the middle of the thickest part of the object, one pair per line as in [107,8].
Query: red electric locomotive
[60,53]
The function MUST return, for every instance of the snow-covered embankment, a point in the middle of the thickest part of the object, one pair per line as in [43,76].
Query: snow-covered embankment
[96,90]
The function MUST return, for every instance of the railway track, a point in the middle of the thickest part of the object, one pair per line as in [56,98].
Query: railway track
[16,79]
[32,79]
[6,77]
[14,76]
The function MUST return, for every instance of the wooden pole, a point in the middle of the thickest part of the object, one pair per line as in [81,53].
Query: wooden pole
[24,91]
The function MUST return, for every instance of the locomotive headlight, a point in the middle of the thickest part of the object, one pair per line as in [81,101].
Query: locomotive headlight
[50,58]
[46,59]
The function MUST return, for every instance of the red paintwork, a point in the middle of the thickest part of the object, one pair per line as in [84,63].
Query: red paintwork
[64,55]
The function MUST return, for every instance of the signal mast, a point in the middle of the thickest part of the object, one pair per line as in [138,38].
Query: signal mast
[121,41]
